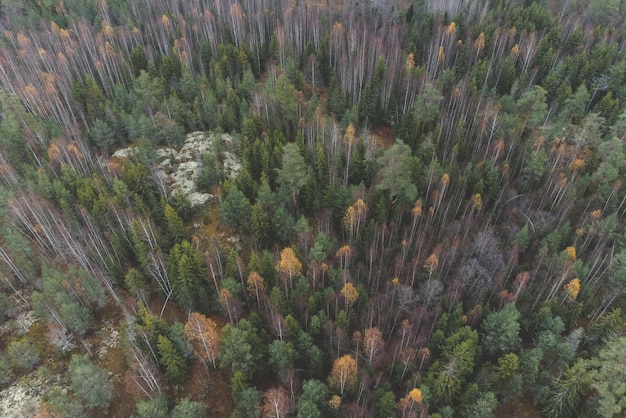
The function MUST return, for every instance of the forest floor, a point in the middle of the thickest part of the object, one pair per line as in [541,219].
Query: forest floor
[25,396]
[522,407]
[384,135]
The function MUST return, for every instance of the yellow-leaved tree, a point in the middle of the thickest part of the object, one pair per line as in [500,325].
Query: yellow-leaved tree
[344,374]
[349,293]
[288,266]
[411,403]
[572,289]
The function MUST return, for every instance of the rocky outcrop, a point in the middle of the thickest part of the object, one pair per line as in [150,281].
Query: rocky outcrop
[181,168]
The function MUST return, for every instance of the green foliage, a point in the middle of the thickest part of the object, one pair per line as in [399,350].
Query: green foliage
[535,166]
[187,271]
[241,348]
[175,230]
[176,335]
[396,167]
[314,400]
[522,238]
[248,402]
[173,363]
[155,407]
[292,175]
[510,105]
[385,403]
[90,382]
[6,374]
[282,355]
[7,307]
[603,12]
[603,376]
[484,406]
[448,376]
[66,405]
[500,331]
[287,99]
[23,354]
[187,408]
[235,210]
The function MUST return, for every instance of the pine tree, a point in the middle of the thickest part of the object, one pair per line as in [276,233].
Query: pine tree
[173,363]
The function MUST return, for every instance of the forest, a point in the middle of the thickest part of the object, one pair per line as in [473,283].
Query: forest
[293,208]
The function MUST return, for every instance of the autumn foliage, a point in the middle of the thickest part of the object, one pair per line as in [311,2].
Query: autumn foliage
[343,376]
[203,334]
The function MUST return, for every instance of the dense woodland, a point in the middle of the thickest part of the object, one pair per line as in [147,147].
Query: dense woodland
[428,219]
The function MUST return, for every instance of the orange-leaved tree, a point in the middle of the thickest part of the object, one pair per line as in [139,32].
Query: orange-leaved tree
[204,337]
[374,344]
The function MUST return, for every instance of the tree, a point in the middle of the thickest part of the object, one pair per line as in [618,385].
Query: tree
[23,354]
[292,176]
[396,168]
[175,230]
[276,403]
[289,267]
[203,335]
[431,264]
[533,109]
[173,363]
[343,376]
[64,404]
[249,401]
[603,12]
[484,406]
[410,402]
[282,357]
[240,348]
[90,382]
[229,302]
[349,293]
[572,288]
[605,372]
[155,407]
[236,209]
[187,272]
[256,287]
[187,408]
[535,166]
[500,330]
[373,344]
[312,403]
[447,377]
[349,139]
[136,284]
[260,225]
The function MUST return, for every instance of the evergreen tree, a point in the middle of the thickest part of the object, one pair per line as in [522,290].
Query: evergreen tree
[173,363]
[90,382]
